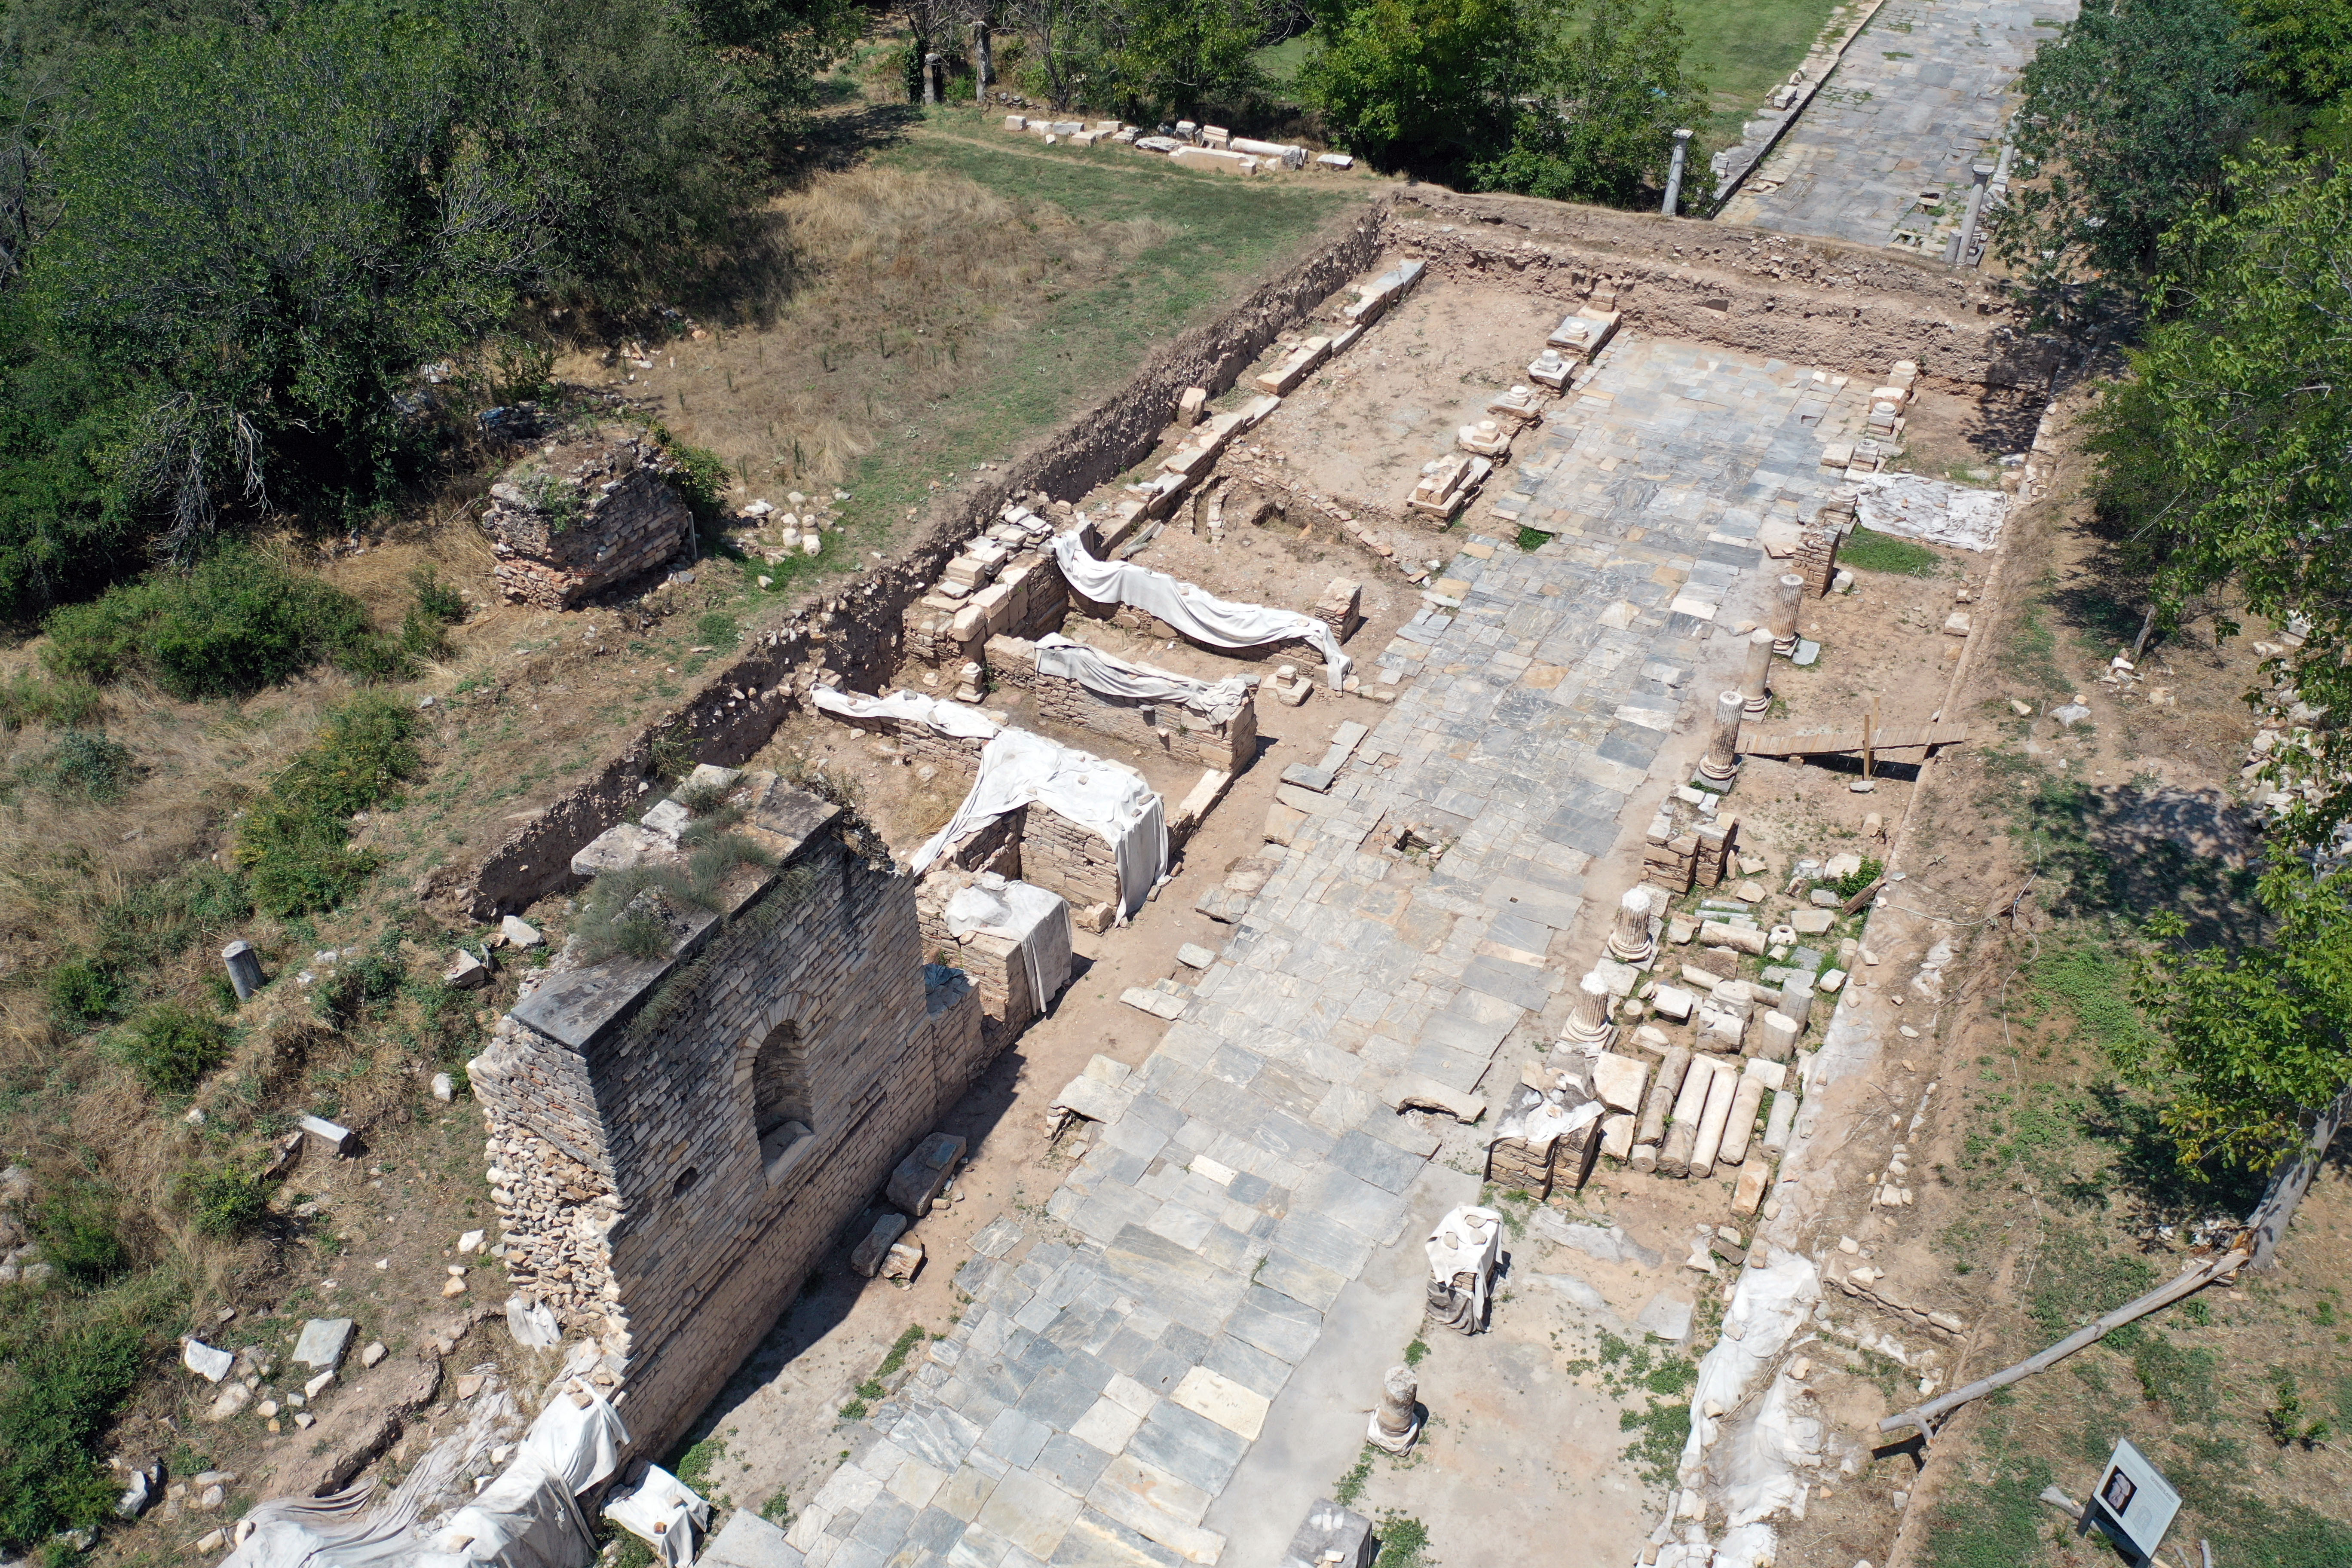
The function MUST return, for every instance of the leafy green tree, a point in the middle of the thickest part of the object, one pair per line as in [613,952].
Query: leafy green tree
[1607,100]
[2306,46]
[2224,452]
[2128,117]
[1427,84]
[2252,1043]
[1178,55]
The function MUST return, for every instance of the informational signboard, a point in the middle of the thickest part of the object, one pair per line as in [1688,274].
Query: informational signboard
[2136,1504]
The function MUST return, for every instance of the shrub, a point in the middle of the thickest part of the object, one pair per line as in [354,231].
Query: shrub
[83,766]
[172,1047]
[223,1202]
[83,992]
[236,623]
[295,845]
[157,921]
[78,1238]
[1862,876]
[436,600]
[66,1384]
[357,987]
[63,704]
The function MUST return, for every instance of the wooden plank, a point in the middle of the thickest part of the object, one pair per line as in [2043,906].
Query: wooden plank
[1821,742]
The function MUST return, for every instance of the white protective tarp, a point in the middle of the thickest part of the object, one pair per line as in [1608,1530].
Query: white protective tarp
[1018,769]
[1114,677]
[955,719]
[1036,918]
[1197,614]
[341,1531]
[525,1518]
[580,1441]
[1937,510]
[664,1512]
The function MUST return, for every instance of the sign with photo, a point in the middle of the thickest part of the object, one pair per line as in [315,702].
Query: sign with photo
[2138,1503]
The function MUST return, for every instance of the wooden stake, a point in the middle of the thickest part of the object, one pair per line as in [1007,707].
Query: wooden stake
[1869,729]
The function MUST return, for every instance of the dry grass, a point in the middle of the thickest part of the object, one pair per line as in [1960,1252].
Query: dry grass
[902,278]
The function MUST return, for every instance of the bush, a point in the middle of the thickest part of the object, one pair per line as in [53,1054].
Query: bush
[65,1383]
[237,623]
[357,987]
[76,1227]
[435,599]
[171,1047]
[295,845]
[83,992]
[83,766]
[157,921]
[223,1202]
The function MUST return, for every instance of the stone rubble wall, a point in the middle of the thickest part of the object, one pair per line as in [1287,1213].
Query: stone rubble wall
[700,1245]
[1819,303]
[597,509]
[1225,746]
[956,754]
[1339,607]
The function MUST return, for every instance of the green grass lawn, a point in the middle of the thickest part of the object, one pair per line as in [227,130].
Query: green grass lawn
[1739,48]
[1218,235]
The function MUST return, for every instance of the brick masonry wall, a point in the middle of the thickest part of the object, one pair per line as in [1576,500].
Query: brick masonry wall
[1174,729]
[688,1240]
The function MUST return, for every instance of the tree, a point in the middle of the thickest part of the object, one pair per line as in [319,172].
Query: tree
[1429,84]
[2306,46]
[2128,117]
[2251,1043]
[1174,56]
[2225,453]
[1607,101]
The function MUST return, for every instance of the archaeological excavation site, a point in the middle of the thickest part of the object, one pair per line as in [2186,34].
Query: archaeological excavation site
[1432,925]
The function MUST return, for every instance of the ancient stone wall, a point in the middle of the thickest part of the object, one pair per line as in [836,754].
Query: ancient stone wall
[583,513]
[625,1103]
[1224,745]
[1809,302]
[998,968]
[1076,862]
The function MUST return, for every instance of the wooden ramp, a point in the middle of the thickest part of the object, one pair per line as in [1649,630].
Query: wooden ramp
[1921,738]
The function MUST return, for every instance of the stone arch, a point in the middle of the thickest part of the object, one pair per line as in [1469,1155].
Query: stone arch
[782,1101]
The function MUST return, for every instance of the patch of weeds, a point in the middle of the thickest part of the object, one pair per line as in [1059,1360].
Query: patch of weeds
[1869,872]
[2180,1379]
[358,988]
[79,1237]
[1404,1543]
[2290,1420]
[295,845]
[1886,1373]
[1867,550]
[172,1047]
[1533,539]
[2076,1281]
[1351,1485]
[82,992]
[1995,1522]
[903,1347]
[1415,1351]
[1662,1429]
[693,1466]
[718,629]
[62,704]
[778,1511]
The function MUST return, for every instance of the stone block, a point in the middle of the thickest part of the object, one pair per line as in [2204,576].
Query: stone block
[867,1256]
[1331,1537]
[1673,1002]
[1812,921]
[1618,1081]
[923,1174]
[1745,939]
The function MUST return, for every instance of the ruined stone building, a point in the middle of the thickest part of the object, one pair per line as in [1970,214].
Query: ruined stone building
[675,1141]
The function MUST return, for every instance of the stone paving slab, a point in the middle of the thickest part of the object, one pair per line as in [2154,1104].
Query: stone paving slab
[1918,97]
[1096,1398]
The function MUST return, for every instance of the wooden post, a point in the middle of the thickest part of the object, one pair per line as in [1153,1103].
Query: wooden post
[1869,729]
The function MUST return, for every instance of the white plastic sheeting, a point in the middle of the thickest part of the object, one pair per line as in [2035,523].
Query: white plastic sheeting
[528,1518]
[1018,769]
[1114,677]
[1197,614]
[948,718]
[1937,510]
[1036,919]
[664,1512]
[1468,1240]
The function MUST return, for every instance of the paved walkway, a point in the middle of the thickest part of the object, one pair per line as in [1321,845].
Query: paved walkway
[1098,1395]
[1919,95]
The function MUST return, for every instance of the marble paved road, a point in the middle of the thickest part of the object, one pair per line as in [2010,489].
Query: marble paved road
[1104,1385]
[1919,96]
